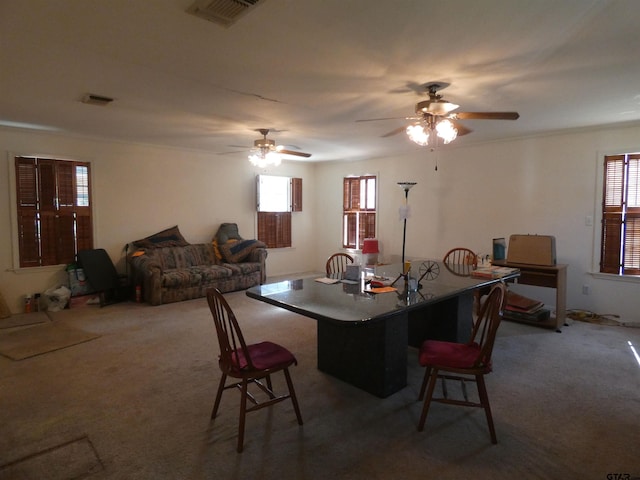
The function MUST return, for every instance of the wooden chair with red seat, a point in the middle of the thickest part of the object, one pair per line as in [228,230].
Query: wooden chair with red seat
[469,361]
[337,263]
[248,363]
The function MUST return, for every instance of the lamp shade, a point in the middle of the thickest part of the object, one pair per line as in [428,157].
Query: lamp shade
[370,246]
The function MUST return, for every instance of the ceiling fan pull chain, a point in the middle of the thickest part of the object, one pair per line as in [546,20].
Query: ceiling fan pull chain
[436,152]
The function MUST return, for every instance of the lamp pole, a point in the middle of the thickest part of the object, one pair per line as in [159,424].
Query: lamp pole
[404,212]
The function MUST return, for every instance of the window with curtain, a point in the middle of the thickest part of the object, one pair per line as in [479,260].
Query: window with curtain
[277,198]
[53,199]
[359,210]
[620,246]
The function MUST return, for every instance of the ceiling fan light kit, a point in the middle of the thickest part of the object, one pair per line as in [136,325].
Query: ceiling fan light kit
[446,130]
[265,153]
[421,134]
[418,135]
[263,159]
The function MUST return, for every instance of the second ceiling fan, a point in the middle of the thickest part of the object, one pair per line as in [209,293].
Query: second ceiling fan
[265,152]
[266,143]
[438,115]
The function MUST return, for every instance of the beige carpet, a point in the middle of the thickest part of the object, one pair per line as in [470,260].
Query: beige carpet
[74,459]
[41,339]
[565,406]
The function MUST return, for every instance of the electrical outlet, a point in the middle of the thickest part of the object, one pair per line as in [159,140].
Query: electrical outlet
[586,289]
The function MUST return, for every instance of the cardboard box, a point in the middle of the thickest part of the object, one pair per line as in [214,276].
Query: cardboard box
[532,250]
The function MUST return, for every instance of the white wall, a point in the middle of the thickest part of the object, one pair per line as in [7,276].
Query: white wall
[139,190]
[543,185]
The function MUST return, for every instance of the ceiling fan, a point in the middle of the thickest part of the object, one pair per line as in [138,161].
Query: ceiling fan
[437,116]
[265,143]
[265,152]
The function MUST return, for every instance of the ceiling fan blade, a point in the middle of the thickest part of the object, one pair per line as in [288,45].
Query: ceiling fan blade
[384,118]
[394,131]
[230,152]
[487,115]
[293,152]
[462,130]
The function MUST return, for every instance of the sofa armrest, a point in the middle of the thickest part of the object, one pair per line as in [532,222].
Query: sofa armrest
[259,255]
[147,272]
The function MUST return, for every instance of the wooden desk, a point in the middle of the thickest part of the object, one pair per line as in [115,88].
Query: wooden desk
[543,276]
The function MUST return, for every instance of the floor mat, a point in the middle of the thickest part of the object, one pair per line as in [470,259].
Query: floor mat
[40,339]
[24,319]
[74,459]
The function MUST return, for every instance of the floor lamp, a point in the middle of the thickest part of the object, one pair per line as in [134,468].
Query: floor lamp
[404,213]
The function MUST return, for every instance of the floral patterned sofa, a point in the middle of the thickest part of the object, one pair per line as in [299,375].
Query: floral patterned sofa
[171,270]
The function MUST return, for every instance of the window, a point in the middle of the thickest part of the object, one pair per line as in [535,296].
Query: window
[620,251]
[53,199]
[359,210]
[277,198]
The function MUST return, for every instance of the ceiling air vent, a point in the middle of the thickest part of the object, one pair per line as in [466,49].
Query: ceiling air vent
[223,12]
[92,99]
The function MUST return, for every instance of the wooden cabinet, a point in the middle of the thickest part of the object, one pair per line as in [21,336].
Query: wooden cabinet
[544,276]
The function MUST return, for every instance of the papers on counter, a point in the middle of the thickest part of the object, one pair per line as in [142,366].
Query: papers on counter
[327,280]
[381,289]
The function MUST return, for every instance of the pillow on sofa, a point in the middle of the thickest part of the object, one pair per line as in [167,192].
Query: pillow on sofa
[226,232]
[236,251]
[216,249]
[171,237]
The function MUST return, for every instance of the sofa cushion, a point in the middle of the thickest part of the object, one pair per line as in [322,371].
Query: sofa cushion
[194,276]
[193,255]
[170,237]
[234,252]
[243,268]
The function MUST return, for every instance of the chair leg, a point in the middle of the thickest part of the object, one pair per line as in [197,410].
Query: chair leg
[292,394]
[243,414]
[270,386]
[433,379]
[427,373]
[484,400]
[445,392]
[216,405]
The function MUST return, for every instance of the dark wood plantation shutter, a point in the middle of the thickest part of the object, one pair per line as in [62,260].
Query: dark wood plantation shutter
[277,197]
[631,264]
[631,246]
[27,201]
[351,205]
[620,242]
[367,226]
[612,213]
[54,219]
[274,229]
[359,212]
[296,194]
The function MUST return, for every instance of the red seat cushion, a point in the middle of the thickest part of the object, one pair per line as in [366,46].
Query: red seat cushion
[265,355]
[448,354]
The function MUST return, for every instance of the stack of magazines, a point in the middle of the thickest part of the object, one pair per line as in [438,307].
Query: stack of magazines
[519,307]
[492,271]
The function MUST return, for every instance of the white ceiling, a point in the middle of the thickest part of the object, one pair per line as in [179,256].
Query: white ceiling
[310,68]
